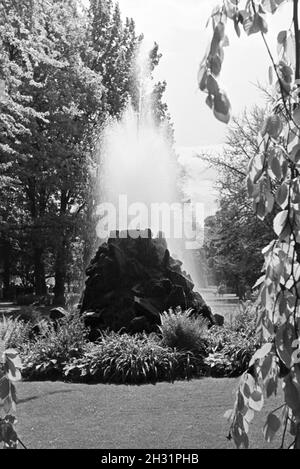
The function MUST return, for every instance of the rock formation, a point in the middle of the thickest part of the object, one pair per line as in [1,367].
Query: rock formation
[132,279]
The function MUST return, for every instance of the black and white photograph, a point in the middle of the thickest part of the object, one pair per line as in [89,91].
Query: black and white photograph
[149,228]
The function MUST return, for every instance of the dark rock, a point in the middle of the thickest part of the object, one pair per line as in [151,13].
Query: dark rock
[206,312]
[144,306]
[58,313]
[178,278]
[176,298]
[139,324]
[219,319]
[134,277]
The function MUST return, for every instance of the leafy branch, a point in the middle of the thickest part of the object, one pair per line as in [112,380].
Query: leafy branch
[276,162]
[10,366]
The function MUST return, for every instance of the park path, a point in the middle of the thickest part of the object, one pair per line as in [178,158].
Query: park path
[9,308]
[227,305]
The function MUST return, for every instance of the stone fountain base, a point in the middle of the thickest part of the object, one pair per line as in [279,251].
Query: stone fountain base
[132,279]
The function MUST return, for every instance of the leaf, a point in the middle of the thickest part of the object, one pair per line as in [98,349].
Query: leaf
[256,400]
[272,126]
[282,195]
[4,387]
[261,353]
[228,414]
[275,166]
[266,365]
[282,37]
[291,394]
[216,65]
[237,27]
[255,24]
[8,404]
[271,387]
[202,74]
[280,222]
[260,208]
[218,36]
[269,202]
[259,282]
[210,101]
[249,415]
[241,440]
[271,427]
[284,339]
[222,107]
[295,153]
[212,85]
[296,115]
[14,375]
[11,353]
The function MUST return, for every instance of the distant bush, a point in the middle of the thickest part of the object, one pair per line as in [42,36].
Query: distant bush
[26,300]
[182,331]
[45,356]
[130,359]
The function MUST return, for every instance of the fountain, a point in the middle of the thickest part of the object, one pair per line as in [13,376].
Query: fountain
[136,273]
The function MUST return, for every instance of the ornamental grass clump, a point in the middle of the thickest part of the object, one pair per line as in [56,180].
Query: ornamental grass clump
[182,331]
[14,332]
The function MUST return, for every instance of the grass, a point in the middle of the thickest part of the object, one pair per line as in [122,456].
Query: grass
[183,415]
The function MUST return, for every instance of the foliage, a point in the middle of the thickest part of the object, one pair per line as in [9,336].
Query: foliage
[46,355]
[232,346]
[132,360]
[234,237]
[14,332]
[61,350]
[65,70]
[276,160]
[181,330]
[10,365]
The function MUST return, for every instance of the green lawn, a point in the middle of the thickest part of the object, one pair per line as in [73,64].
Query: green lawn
[183,415]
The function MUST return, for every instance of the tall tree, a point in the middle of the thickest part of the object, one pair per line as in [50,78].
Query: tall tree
[234,236]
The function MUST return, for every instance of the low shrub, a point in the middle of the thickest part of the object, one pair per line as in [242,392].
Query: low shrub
[130,359]
[182,331]
[185,348]
[14,332]
[54,346]
[232,346]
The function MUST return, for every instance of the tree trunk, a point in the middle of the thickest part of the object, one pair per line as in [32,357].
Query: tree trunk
[61,256]
[39,273]
[59,288]
[6,276]
[60,274]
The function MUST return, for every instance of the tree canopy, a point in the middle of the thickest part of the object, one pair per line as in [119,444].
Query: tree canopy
[64,70]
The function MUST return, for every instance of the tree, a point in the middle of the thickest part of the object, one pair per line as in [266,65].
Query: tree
[234,236]
[21,48]
[277,159]
[64,71]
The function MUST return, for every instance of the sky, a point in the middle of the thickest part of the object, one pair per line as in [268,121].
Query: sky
[179,27]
